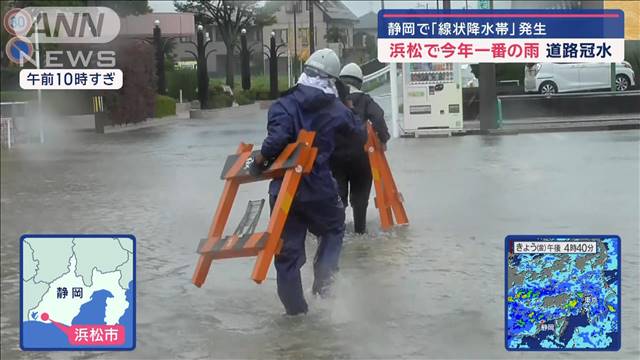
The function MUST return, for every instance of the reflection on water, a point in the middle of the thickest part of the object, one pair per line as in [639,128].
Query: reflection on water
[433,289]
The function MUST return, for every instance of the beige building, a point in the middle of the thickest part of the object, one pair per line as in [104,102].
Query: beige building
[631,17]
[329,16]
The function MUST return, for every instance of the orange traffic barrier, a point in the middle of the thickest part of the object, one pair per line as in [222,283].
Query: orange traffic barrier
[388,199]
[295,160]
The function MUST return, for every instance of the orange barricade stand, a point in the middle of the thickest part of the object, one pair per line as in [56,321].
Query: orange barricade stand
[388,199]
[295,160]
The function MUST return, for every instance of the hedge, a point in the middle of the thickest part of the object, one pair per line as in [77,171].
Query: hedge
[18,95]
[165,106]
[185,79]
[245,97]
[10,79]
[260,86]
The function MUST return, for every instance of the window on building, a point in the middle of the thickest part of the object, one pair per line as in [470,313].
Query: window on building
[293,6]
[281,35]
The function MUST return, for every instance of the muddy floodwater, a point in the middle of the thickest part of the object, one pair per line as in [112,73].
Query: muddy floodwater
[433,289]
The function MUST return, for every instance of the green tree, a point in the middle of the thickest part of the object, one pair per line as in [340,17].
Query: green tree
[265,15]
[371,46]
[230,17]
[335,34]
[632,55]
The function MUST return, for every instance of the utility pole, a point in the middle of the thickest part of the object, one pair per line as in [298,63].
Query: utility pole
[157,40]
[245,70]
[393,83]
[312,37]
[40,120]
[488,94]
[295,40]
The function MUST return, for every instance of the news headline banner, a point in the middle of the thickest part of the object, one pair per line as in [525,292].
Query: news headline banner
[501,36]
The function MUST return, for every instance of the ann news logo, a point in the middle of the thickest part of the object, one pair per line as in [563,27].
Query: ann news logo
[33,26]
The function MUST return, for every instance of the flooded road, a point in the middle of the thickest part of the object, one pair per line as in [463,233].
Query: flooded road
[430,290]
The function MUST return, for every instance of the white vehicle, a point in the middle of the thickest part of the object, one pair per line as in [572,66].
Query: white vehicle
[551,78]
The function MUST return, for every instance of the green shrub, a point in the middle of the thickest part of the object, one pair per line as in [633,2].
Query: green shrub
[632,55]
[251,94]
[222,100]
[165,106]
[214,82]
[216,89]
[185,79]
[263,95]
[509,71]
[18,95]
[10,79]
[258,83]
[244,97]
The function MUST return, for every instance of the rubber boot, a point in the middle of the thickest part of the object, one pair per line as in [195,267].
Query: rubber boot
[360,219]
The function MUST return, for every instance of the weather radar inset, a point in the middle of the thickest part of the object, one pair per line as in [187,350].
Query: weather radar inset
[562,293]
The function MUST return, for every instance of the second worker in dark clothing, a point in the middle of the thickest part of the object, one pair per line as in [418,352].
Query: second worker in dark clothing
[349,161]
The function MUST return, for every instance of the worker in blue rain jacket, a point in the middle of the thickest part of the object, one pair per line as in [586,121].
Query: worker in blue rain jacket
[349,161]
[313,104]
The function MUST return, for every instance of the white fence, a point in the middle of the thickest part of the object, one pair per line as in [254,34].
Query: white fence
[16,124]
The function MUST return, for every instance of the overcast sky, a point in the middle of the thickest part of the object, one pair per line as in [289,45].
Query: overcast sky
[357,7]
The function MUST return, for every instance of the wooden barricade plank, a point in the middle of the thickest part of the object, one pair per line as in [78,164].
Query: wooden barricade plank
[295,160]
[388,200]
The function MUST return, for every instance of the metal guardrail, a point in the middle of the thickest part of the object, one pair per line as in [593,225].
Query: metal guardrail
[509,83]
[574,95]
[569,104]
[372,66]
[14,103]
[376,74]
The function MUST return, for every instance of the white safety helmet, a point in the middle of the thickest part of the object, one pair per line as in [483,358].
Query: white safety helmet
[352,70]
[324,61]
[352,74]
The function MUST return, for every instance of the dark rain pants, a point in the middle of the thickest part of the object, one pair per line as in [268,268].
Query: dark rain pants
[353,176]
[324,219]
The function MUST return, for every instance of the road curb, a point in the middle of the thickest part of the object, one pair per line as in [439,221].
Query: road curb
[114,129]
[569,127]
[233,111]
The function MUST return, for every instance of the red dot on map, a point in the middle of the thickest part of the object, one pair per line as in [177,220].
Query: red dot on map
[44,316]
